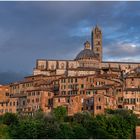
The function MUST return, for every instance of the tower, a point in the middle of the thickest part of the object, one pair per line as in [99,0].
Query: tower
[96,41]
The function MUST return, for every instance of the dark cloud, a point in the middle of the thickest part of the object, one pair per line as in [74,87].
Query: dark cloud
[32,30]
[9,77]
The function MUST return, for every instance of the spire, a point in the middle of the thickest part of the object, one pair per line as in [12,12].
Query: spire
[97,28]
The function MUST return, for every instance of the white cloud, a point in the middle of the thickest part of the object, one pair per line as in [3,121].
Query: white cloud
[122,52]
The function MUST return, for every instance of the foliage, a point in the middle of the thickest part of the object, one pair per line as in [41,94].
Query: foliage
[117,124]
[4,132]
[10,119]
[60,113]
[79,132]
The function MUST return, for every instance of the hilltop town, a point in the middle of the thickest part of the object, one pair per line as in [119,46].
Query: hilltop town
[86,83]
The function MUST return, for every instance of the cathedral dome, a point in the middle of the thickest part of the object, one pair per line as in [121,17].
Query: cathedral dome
[87,53]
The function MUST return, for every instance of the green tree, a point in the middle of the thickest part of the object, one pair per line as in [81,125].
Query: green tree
[28,129]
[10,119]
[59,113]
[79,132]
[65,131]
[82,118]
[4,133]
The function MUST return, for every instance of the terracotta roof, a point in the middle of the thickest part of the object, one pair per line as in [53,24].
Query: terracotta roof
[132,89]
[57,96]
[98,88]
[18,95]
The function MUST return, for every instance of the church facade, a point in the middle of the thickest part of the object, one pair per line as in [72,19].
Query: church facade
[88,61]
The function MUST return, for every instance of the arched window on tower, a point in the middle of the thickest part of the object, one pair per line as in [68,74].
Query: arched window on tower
[97,49]
[71,65]
[52,67]
[62,65]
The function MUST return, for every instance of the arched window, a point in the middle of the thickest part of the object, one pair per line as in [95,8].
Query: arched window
[71,65]
[62,65]
[52,67]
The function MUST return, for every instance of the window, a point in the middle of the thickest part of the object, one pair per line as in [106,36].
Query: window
[23,102]
[38,93]
[91,107]
[58,99]
[52,67]
[119,90]
[49,101]
[71,80]
[99,99]
[7,94]
[49,94]
[98,107]
[13,103]
[33,93]
[82,86]
[62,65]
[133,107]
[28,100]
[69,92]
[37,100]
[68,100]
[88,92]
[10,103]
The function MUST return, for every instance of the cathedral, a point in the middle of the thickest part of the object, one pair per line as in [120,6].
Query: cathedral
[88,61]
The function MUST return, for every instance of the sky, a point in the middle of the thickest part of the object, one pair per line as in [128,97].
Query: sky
[58,30]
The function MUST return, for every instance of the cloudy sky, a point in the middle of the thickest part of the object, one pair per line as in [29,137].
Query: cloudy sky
[57,30]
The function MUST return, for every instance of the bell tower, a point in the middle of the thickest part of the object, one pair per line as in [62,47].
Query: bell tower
[96,42]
